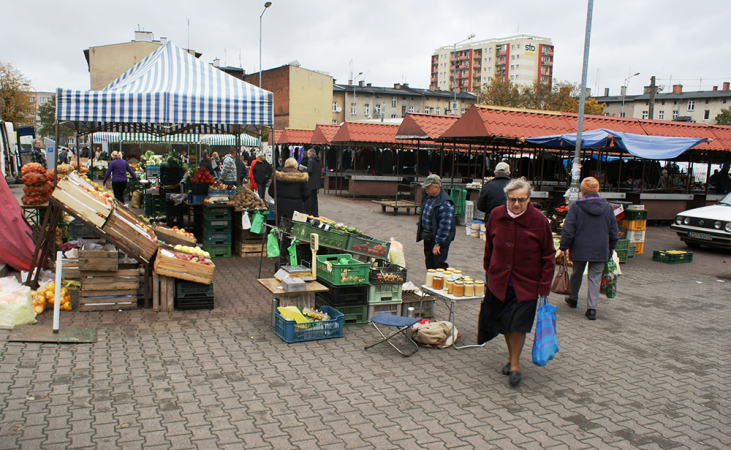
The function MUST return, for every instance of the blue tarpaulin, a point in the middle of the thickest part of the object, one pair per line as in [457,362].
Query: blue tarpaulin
[642,146]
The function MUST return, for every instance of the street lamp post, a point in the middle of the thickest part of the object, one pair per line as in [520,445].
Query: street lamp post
[454,82]
[624,91]
[266,5]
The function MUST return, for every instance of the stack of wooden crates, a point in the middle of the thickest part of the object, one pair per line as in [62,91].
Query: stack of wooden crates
[635,221]
[107,285]
[247,243]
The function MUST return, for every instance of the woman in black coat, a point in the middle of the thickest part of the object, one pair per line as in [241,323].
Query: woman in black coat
[292,189]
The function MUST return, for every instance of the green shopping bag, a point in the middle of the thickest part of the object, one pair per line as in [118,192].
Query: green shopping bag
[256,223]
[293,252]
[272,245]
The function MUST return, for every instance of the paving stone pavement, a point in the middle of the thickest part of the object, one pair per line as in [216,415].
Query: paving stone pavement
[650,373]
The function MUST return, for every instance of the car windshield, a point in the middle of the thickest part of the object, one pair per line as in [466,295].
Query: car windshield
[726,200]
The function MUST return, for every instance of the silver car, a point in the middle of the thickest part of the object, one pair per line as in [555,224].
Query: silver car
[709,225]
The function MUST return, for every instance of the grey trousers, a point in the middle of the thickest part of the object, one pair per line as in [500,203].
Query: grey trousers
[595,279]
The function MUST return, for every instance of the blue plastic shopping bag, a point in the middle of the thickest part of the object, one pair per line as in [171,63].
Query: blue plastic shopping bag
[545,345]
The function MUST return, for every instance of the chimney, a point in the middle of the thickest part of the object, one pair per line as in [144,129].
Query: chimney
[396,86]
[368,85]
[606,92]
[715,88]
[143,36]
[646,89]
[350,82]
[677,88]
[216,62]
[163,40]
[725,86]
[406,85]
[623,91]
[360,83]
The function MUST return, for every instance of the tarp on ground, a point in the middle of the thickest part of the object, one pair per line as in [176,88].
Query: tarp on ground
[17,247]
[648,147]
[169,92]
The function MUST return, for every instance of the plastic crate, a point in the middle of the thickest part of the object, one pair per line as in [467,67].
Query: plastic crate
[633,224]
[635,214]
[152,172]
[622,244]
[672,258]
[427,308]
[328,237]
[214,238]
[384,272]
[387,307]
[636,207]
[352,315]
[197,199]
[290,331]
[185,289]
[170,176]
[217,251]
[342,270]
[217,225]
[364,244]
[338,296]
[380,293]
[194,302]
[639,247]
[199,188]
[636,236]
[285,224]
[459,197]
[213,213]
[622,255]
[631,251]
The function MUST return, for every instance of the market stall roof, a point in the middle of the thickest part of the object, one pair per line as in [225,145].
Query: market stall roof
[366,133]
[594,122]
[504,126]
[229,139]
[722,134]
[295,136]
[424,126]
[640,145]
[275,136]
[145,138]
[324,134]
[169,92]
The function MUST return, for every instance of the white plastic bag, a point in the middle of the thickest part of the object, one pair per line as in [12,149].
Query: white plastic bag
[396,253]
[245,222]
[16,304]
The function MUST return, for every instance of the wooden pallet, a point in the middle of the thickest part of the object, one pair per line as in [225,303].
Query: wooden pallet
[107,300]
[172,238]
[171,266]
[163,293]
[408,206]
[123,228]
[247,248]
[107,281]
[98,260]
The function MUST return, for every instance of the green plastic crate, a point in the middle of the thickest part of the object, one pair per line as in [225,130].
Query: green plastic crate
[217,225]
[672,258]
[622,255]
[216,213]
[218,251]
[329,238]
[635,215]
[342,270]
[378,293]
[622,244]
[216,238]
[368,245]
[352,315]
[459,197]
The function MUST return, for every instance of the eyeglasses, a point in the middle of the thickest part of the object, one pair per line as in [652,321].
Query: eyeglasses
[517,200]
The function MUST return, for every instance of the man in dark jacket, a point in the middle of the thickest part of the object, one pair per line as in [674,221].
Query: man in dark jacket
[436,226]
[493,193]
[206,163]
[261,172]
[314,171]
[590,235]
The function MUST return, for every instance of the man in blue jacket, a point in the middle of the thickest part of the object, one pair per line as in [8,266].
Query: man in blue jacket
[590,234]
[436,226]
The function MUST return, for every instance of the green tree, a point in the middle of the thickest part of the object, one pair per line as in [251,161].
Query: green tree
[724,117]
[563,96]
[16,104]
[501,93]
[47,114]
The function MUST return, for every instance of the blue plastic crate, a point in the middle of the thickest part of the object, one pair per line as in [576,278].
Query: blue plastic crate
[198,199]
[290,331]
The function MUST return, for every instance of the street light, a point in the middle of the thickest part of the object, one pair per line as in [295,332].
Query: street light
[454,83]
[624,91]
[266,5]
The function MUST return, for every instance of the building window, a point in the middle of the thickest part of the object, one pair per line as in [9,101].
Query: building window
[463,111]
[352,109]
[44,100]
[512,67]
[335,122]
[661,115]
[691,105]
[411,109]
[645,114]
[517,56]
[675,115]
[393,101]
[706,114]
[622,114]
[439,110]
[663,102]
[403,111]
[335,106]
[512,56]
[426,110]
[393,116]
[377,110]
[367,109]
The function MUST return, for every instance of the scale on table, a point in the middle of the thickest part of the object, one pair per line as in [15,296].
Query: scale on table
[218,198]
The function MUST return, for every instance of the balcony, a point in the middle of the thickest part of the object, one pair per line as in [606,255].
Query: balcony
[547,52]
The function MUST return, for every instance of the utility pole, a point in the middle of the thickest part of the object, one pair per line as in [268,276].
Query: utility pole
[652,98]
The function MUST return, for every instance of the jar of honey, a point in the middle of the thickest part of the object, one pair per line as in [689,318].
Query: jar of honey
[479,288]
[469,288]
[450,285]
[440,270]
[437,282]
[457,273]
[430,277]
[458,289]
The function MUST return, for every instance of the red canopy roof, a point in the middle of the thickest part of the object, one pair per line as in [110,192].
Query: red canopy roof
[277,134]
[377,133]
[324,134]
[294,136]
[424,126]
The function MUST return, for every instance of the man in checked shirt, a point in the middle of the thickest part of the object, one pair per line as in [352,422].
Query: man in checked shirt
[436,226]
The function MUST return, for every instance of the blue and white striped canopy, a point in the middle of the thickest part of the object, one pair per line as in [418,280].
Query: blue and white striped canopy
[227,139]
[169,92]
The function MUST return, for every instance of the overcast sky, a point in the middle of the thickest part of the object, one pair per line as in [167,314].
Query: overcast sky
[390,41]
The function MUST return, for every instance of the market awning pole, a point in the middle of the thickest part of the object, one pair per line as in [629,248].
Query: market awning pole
[57,293]
[573,192]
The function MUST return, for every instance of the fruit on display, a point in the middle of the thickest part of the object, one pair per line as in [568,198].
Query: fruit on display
[182,231]
[46,296]
[194,250]
[193,254]
[202,176]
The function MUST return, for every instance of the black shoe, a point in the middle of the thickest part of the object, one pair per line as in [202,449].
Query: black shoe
[515,378]
[571,303]
[591,314]
[506,369]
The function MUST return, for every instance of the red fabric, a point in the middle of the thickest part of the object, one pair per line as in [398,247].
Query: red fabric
[521,250]
[16,247]
[251,176]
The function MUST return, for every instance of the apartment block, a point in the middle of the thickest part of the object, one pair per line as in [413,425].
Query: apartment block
[520,59]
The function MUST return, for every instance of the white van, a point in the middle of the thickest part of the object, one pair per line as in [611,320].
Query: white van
[8,153]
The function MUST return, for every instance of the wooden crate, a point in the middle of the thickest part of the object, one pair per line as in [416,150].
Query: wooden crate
[98,260]
[163,293]
[107,300]
[81,202]
[70,268]
[246,235]
[171,237]
[245,249]
[122,227]
[171,266]
[109,281]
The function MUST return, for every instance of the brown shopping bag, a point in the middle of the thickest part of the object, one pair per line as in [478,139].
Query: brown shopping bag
[561,284]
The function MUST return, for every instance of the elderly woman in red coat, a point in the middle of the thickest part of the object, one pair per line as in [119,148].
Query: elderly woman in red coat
[519,260]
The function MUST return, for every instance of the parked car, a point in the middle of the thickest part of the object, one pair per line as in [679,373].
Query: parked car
[709,225]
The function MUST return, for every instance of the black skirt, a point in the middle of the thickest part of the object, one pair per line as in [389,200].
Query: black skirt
[498,317]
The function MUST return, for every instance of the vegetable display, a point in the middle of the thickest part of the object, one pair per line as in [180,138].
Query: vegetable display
[46,296]
[202,176]
[150,159]
[173,160]
[38,186]
[246,199]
